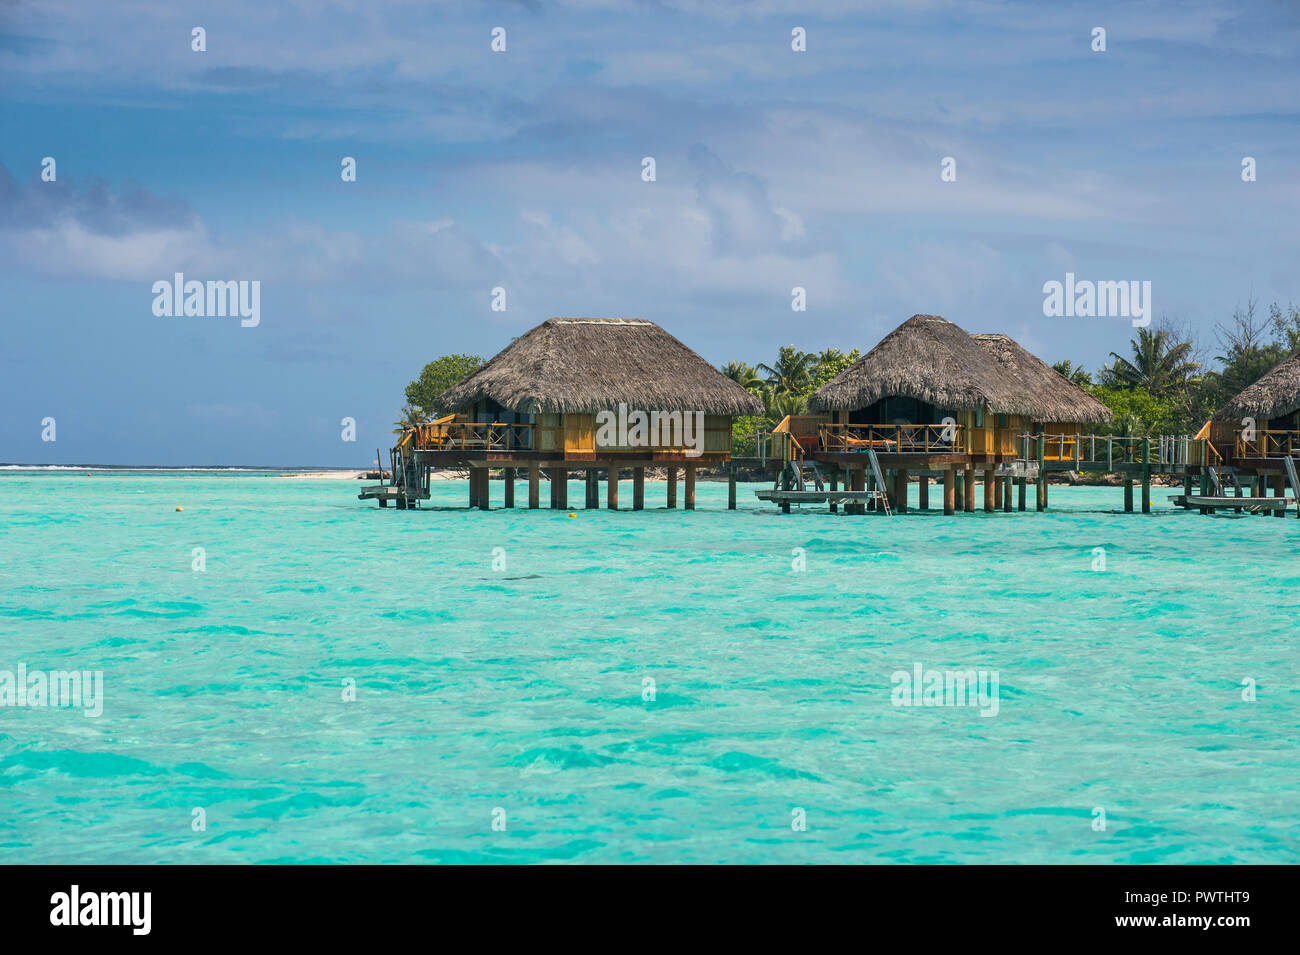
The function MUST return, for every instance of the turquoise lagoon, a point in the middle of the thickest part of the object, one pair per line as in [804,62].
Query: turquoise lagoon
[521,689]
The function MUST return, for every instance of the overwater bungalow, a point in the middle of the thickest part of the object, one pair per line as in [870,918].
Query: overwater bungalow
[597,394]
[932,398]
[1256,435]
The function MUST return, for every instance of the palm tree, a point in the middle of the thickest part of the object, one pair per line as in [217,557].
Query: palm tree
[787,404]
[792,373]
[1160,363]
[742,374]
[411,418]
[1072,373]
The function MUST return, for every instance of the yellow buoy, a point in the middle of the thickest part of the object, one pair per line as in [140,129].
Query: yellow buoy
[572,514]
[179,508]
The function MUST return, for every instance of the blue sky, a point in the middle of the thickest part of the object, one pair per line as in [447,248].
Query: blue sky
[522,170]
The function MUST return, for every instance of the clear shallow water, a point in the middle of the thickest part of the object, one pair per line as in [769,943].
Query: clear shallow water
[522,689]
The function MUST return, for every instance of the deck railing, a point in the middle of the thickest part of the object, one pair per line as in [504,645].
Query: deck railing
[891,438]
[1158,449]
[461,436]
[1268,444]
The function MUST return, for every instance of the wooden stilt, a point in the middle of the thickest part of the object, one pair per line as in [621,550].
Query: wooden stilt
[1146,475]
[509,475]
[970,491]
[858,480]
[593,488]
[534,487]
[950,491]
[997,493]
[923,493]
[1022,485]
[558,484]
[900,490]
[690,487]
[834,480]
[989,492]
[960,484]
[1279,490]
[1041,502]
[1128,494]
[611,488]
[731,487]
[638,489]
[484,489]
[672,485]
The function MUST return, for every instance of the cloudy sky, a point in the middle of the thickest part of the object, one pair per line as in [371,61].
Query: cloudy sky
[523,169]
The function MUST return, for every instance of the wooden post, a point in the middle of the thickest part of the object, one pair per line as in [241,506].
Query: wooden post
[857,481]
[473,491]
[509,475]
[690,487]
[834,479]
[1146,475]
[672,485]
[1279,490]
[534,486]
[731,487]
[559,486]
[611,488]
[997,493]
[1041,503]
[638,489]
[593,488]
[900,490]
[1128,493]
[970,490]
[959,494]
[923,493]
[1187,489]
[484,489]
[1021,492]
[990,494]
[950,491]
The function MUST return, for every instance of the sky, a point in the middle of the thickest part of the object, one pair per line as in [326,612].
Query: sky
[522,169]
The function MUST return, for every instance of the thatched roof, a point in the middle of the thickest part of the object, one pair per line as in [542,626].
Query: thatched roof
[927,358]
[584,365]
[932,360]
[1274,395]
[1060,399]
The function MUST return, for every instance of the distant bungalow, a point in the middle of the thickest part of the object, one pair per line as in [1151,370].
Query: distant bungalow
[590,393]
[1257,433]
[931,397]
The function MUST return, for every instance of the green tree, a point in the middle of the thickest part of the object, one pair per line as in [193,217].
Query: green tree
[411,417]
[792,373]
[1161,363]
[436,377]
[1073,373]
[831,363]
[742,374]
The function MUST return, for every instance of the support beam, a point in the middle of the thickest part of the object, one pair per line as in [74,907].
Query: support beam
[509,475]
[1279,490]
[960,485]
[638,489]
[1128,494]
[690,487]
[1041,502]
[534,487]
[672,485]
[1146,475]
[858,482]
[1007,486]
[923,493]
[593,489]
[989,493]
[1022,485]
[834,486]
[950,491]
[900,490]
[559,488]
[484,488]
[970,490]
[611,488]
[731,487]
